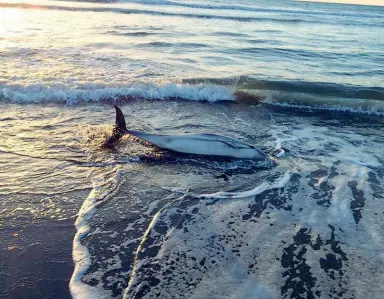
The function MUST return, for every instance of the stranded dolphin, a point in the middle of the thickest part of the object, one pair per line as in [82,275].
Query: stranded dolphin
[198,144]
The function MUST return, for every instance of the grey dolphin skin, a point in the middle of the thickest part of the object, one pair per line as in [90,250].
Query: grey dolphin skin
[198,144]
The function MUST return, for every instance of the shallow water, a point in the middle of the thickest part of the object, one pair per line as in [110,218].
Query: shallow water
[152,223]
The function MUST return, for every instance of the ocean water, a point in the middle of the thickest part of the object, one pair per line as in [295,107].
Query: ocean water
[81,221]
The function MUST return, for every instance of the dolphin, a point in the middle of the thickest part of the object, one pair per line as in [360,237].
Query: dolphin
[197,144]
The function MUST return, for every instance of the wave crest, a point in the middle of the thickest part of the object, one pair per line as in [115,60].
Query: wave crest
[91,92]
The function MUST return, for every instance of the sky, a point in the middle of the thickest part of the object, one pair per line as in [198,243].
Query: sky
[364,2]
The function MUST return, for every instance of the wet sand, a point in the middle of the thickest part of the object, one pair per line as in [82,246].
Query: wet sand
[36,260]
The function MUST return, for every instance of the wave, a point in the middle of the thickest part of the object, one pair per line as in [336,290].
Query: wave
[283,15]
[152,12]
[214,6]
[288,94]
[307,102]
[240,18]
[296,86]
[91,93]
[291,10]
[194,5]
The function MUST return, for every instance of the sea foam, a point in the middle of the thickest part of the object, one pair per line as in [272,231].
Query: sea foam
[309,102]
[99,92]
[235,277]
[81,256]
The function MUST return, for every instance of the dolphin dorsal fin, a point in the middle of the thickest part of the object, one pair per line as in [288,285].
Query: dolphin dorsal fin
[120,120]
[118,131]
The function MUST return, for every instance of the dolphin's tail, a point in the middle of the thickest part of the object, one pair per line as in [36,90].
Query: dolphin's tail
[119,130]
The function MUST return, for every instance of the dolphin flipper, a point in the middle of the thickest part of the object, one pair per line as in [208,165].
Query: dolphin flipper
[119,130]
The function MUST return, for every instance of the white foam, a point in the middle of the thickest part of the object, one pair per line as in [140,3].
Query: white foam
[96,92]
[80,253]
[359,106]
[279,136]
[154,221]
[280,154]
[257,190]
[236,276]
[316,138]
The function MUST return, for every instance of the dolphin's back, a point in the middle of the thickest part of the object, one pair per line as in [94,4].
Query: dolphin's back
[202,144]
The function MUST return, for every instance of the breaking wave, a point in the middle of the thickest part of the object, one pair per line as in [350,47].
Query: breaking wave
[287,94]
[295,86]
[88,93]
